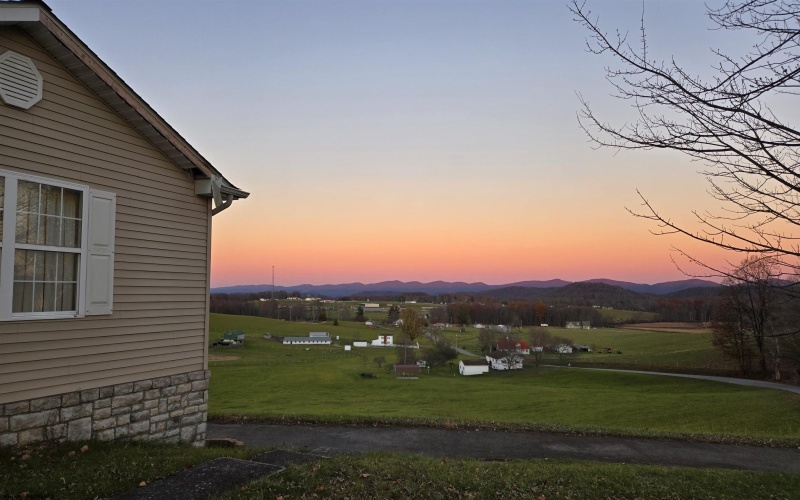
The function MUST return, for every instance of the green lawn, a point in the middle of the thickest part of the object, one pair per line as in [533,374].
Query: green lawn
[63,471]
[407,476]
[272,380]
[648,348]
[107,469]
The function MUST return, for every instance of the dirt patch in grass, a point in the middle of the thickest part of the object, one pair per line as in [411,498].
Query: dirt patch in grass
[219,357]
[671,327]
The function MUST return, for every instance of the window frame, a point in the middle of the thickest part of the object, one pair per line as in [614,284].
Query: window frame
[8,247]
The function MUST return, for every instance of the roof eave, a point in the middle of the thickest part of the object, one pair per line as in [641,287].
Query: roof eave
[60,42]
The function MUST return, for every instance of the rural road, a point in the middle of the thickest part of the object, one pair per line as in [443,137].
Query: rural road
[728,380]
[498,445]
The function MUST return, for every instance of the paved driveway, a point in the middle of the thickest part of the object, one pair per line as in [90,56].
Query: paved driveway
[495,445]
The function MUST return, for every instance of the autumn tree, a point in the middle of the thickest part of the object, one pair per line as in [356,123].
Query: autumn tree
[736,122]
[412,324]
[410,329]
[540,310]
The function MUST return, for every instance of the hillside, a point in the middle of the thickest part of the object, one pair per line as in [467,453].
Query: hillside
[579,294]
[519,289]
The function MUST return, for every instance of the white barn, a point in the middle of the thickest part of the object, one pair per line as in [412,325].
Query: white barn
[307,340]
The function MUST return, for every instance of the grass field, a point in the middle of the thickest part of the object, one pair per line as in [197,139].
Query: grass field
[682,349]
[650,348]
[272,380]
[624,316]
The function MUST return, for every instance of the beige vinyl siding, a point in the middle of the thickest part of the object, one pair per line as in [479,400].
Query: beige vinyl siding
[160,318]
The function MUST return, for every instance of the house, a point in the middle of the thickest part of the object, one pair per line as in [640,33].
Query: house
[564,349]
[584,325]
[114,344]
[319,335]
[503,360]
[384,340]
[513,345]
[438,326]
[473,366]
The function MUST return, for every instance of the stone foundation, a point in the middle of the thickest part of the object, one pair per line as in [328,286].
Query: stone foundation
[168,409]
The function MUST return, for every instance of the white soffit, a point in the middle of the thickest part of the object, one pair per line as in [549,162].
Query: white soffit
[20,81]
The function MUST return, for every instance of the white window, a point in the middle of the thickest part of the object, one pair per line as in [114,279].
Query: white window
[56,248]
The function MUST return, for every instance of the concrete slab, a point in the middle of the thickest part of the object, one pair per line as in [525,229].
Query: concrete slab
[283,458]
[211,478]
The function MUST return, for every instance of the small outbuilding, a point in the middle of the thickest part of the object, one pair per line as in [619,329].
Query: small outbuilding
[473,366]
[406,370]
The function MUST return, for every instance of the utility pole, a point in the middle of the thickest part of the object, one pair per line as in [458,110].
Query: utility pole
[272,297]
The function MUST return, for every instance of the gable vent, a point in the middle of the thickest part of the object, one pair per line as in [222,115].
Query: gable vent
[20,81]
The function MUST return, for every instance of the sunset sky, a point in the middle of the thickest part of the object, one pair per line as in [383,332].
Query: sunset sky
[410,140]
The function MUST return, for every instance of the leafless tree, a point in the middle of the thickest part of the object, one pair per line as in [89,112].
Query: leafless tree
[512,359]
[750,303]
[728,121]
[562,348]
[487,339]
[539,339]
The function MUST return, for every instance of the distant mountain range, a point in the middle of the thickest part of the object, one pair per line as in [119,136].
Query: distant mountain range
[442,287]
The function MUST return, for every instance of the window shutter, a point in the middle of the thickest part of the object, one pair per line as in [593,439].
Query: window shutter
[100,253]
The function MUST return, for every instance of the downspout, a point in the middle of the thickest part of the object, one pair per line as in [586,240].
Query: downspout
[216,191]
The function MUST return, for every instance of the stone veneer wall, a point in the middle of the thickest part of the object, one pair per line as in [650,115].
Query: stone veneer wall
[169,409]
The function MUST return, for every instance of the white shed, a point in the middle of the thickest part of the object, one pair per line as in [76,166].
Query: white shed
[473,366]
